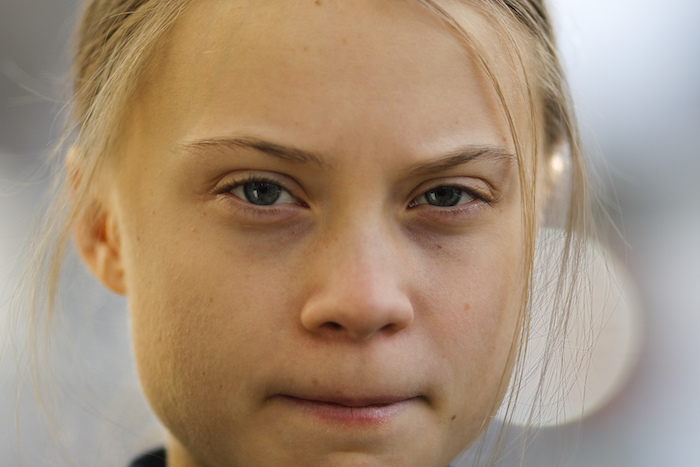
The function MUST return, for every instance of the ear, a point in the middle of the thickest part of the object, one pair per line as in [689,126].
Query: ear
[96,233]
[556,164]
[97,238]
[554,168]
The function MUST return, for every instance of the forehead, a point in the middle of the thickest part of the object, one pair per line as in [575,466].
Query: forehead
[324,73]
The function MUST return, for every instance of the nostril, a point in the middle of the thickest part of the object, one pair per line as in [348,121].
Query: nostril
[333,325]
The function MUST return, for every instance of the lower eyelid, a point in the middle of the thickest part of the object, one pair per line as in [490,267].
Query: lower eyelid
[247,212]
[458,213]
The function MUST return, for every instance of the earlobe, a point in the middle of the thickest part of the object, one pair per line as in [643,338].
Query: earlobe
[97,238]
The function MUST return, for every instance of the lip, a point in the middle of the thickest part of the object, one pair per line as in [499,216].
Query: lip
[350,411]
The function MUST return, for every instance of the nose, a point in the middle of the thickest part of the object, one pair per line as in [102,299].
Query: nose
[357,289]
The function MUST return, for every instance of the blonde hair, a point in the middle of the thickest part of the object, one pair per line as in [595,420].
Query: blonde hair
[115,47]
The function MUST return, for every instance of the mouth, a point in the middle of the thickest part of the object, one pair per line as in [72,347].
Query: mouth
[374,410]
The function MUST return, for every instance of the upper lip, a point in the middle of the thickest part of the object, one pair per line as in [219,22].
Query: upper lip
[353,401]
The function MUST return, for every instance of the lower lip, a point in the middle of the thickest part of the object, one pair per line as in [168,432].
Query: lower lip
[376,414]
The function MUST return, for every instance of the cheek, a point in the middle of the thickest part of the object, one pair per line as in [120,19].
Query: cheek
[473,302]
[199,311]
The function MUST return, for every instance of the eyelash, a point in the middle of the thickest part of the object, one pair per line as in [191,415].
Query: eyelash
[251,208]
[468,191]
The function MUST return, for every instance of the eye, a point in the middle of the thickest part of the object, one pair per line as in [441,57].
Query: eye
[261,192]
[444,196]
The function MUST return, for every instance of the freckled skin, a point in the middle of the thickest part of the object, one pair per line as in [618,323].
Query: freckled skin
[352,292]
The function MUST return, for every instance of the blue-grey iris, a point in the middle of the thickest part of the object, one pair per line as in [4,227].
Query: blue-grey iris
[262,193]
[443,196]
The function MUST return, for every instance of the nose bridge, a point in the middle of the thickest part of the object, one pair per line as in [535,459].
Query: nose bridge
[358,288]
[364,247]
[367,245]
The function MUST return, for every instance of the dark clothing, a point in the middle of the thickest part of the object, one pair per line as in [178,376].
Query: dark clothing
[154,458]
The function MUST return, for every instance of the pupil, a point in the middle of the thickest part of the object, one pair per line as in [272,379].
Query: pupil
[444,196]
[261,193]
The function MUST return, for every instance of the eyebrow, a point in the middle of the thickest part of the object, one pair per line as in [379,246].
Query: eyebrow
[286,153]
[454,158]
[461,156]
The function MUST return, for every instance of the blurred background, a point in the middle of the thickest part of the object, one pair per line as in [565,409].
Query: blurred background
[634,68]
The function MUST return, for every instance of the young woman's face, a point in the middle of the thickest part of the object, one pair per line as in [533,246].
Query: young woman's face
[320,225]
